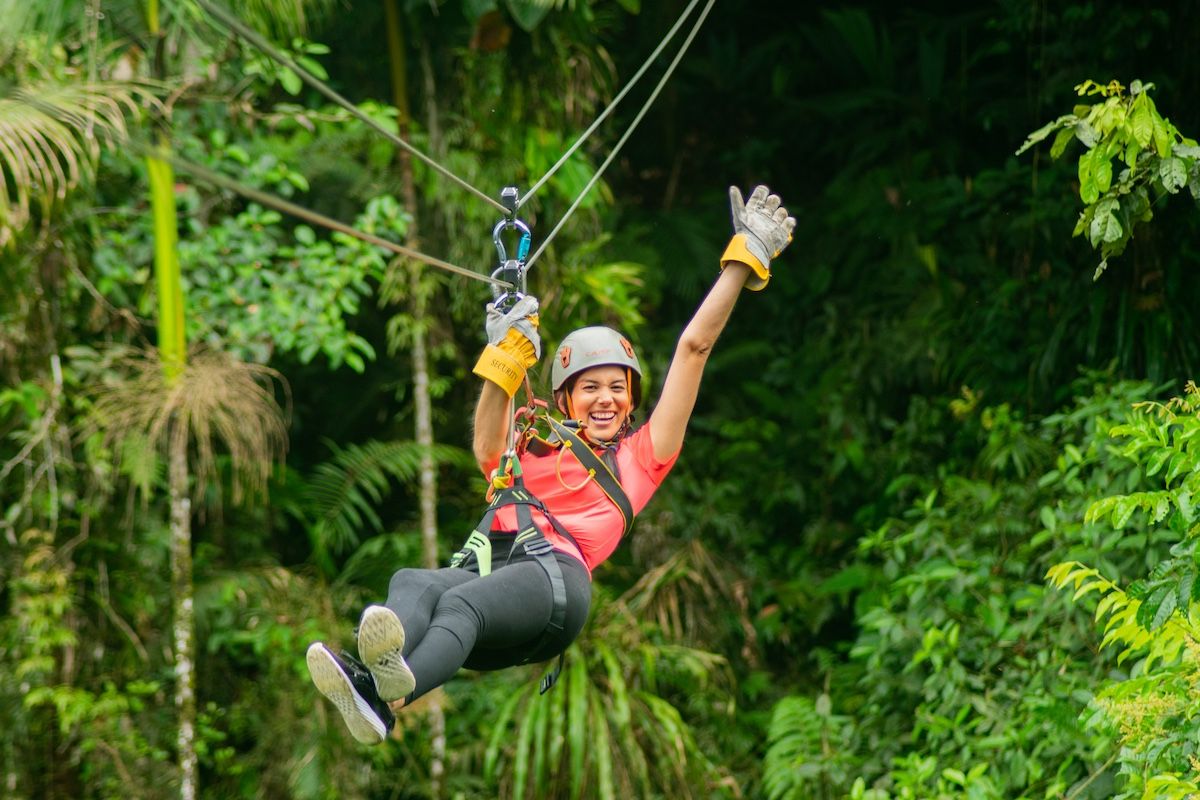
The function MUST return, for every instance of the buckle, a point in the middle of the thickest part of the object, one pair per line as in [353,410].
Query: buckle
[538,547]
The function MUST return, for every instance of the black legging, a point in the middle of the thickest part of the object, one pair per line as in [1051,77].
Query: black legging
[454,618]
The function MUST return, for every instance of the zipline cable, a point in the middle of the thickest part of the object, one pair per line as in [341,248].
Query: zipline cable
[234,24]
[620,142]
[308,215]
[611,106]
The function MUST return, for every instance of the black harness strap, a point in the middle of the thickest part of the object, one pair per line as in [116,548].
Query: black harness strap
[538,547]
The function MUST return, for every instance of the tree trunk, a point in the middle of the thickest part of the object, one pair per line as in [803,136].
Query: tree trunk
[172,349]
[421,398]
[183,627]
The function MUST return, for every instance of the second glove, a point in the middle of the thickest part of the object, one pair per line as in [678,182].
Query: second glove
[761,230]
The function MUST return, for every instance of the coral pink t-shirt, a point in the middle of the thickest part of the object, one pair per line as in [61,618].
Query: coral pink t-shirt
[579,505]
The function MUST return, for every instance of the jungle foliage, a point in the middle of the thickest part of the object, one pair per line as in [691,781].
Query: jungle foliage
[933,533]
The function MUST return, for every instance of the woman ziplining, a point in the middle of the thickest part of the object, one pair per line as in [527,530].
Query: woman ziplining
[520,589]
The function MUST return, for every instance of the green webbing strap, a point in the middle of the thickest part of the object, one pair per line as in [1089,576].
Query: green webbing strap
[481,546]
[596,467]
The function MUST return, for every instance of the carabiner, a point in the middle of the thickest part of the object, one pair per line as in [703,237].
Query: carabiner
[511,270]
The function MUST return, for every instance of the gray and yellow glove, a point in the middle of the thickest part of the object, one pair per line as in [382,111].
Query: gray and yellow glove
[761,230]
[513,344]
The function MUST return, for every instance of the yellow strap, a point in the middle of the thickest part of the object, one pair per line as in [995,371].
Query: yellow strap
[591,473]
[501,368]
[737,251]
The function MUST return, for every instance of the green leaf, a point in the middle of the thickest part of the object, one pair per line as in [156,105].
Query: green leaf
[1179,464]
[1143,124]
[290,81]
[1173,174]
[1183,501]
[1130,156]
[1064,137]
[1105,226]
[1162,137]
[1123,511]
[954,776]
[1048,519]
[1187,584]
[1087,185]
[1165,609]
[528,13]
[1148,611]
[578,726]
[1102,172]
[1157,461]
[1044,131]
[1161,507]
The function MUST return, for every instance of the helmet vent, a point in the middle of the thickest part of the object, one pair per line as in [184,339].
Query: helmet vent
[628,347]
[564,356]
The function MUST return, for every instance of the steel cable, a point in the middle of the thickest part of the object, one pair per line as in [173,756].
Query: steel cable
[237,26]
[309,215]
[611,106]
[633,125]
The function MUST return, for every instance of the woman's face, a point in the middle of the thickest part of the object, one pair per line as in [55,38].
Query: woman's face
[602,398]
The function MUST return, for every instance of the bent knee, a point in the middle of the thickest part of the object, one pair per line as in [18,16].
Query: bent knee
[455,603]
[410,579]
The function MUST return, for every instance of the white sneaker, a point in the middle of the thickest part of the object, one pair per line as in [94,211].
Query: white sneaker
[381,648]
[352,691]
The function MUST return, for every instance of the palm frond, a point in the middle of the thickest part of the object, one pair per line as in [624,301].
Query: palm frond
[215,402]
[793,742]
[347,489]
[689,592]
[50,136]
[609,729]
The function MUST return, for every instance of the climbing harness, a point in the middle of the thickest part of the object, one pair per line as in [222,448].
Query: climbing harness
[508,489]
[601,469]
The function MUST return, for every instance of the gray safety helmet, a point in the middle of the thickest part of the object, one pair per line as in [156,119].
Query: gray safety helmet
[596,346]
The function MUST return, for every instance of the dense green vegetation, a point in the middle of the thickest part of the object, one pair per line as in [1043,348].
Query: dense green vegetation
[933,532]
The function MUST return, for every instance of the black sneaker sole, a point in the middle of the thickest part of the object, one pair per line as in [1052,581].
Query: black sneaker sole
[332,681]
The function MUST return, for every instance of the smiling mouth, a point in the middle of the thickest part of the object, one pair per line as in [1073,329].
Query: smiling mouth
[603,419]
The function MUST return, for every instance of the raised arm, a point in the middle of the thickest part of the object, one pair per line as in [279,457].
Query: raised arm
[762,229]
[492,415]
[513,347]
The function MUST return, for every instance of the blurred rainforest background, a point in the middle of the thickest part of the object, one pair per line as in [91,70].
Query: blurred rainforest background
[933,532]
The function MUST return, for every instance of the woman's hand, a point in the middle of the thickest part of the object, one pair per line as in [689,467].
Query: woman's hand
[513,344]
[761,231]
